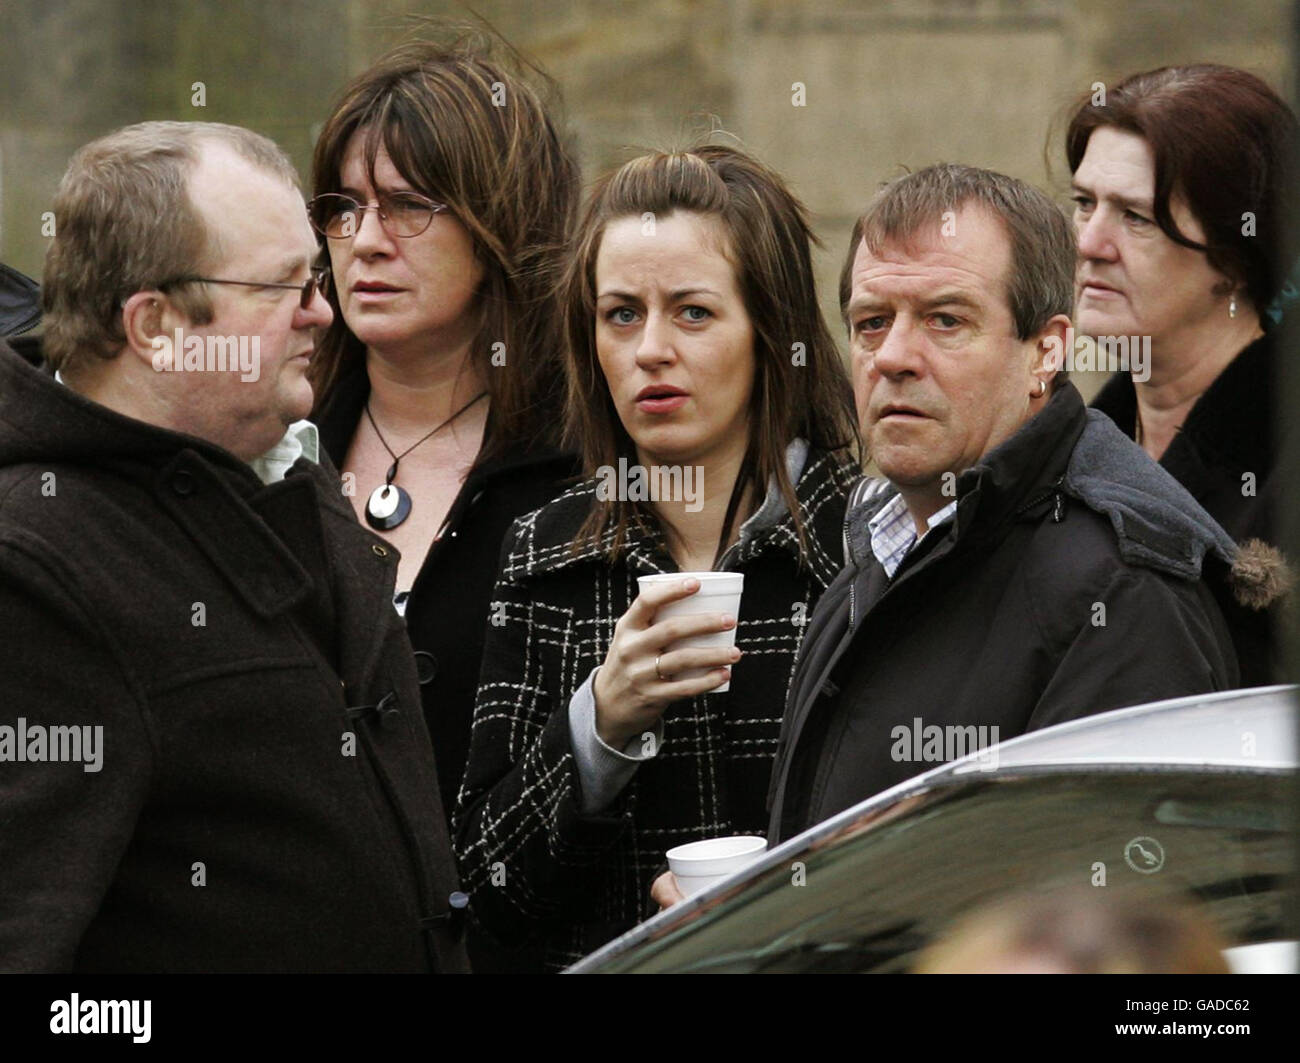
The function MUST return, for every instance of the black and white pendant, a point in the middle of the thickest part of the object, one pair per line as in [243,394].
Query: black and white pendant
[387,507]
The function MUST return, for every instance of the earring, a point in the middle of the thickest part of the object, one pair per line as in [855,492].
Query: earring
[1042,389]
[1232,305]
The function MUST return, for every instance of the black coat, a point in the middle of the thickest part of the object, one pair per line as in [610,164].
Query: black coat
[994,619]
[534,862]
[447,610]
[1226,455]
[229,637]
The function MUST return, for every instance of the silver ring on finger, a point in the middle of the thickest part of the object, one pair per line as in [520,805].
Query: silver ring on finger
[662,678]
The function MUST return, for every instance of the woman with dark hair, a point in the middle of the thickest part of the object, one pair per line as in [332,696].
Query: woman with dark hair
[444,194]
[1185,222]
[696,350]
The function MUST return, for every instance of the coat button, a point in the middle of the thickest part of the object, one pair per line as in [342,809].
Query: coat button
[458,900]
[426,665]
[183,483]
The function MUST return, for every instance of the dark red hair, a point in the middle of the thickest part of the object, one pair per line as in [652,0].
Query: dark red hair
[1223,143]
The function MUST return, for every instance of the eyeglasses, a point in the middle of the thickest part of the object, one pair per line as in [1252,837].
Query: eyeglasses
[317,282]
[400,213]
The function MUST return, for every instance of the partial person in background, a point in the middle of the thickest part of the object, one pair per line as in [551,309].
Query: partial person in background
[1078,931]
[444,193]
[1183,208]
[20,302]
[695,344]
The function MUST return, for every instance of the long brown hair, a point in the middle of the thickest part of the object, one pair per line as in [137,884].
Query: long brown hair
[801,389]
[474,130]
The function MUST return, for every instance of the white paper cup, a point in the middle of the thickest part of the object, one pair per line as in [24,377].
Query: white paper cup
[719,593]
[698,865]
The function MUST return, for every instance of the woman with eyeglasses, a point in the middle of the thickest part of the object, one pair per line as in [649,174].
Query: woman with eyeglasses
[696,349]
[444,192]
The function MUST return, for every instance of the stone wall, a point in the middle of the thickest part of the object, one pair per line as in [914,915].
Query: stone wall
[836,94]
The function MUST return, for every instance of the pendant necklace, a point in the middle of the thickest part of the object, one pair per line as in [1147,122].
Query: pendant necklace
[388,504]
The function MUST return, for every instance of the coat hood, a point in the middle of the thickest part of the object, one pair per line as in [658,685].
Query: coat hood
[1157,522]
[81,429]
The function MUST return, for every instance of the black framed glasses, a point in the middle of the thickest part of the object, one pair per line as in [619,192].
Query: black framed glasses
[402,214]
[317,282]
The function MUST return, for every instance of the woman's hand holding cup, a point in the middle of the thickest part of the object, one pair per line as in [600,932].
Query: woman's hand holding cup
[642,675]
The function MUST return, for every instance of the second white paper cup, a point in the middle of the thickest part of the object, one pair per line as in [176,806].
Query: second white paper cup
[719,593]
[698,865]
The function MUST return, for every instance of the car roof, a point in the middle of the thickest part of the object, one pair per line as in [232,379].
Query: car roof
[1207,731]
[1247,728]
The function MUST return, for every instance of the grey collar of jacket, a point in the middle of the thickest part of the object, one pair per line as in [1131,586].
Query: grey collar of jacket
[1157,523]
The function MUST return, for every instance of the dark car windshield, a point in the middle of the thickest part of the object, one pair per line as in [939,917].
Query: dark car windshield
[871,896]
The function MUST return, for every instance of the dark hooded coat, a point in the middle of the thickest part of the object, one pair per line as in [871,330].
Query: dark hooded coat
[267,798]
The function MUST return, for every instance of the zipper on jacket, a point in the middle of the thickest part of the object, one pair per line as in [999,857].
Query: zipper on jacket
[1053,493]
[862,490]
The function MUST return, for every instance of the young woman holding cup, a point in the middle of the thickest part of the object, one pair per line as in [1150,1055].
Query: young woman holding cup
[699,361]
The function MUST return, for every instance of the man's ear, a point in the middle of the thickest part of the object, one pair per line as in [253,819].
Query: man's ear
[1051,347]
[143,322]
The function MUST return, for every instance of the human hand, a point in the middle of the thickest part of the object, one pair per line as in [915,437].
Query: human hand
[666,892]
[636,684]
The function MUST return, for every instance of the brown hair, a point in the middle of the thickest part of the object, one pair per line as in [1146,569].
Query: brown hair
[125,222]
[769,243]
[467,129]
[1224,142]
[1041,280]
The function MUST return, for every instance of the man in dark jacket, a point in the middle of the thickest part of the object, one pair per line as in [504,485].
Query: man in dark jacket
[1022,563]
[215,758]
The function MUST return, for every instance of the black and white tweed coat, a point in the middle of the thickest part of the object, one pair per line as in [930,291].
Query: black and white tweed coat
[532,862]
